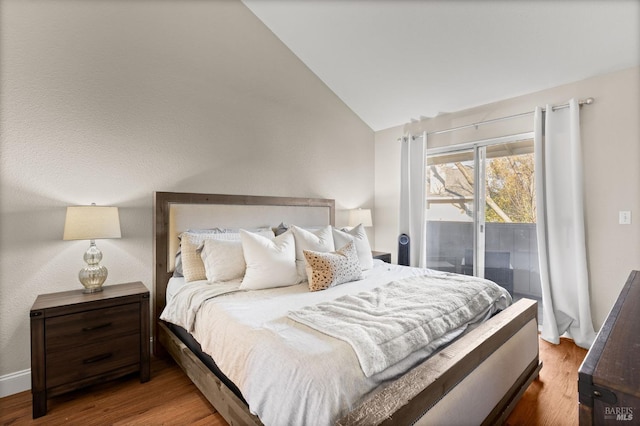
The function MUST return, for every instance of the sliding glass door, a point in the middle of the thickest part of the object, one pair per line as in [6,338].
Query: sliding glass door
[481,212]
[510,246]
[450,209]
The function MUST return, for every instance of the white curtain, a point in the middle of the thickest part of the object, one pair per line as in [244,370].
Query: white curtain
[413,197]
[560,225]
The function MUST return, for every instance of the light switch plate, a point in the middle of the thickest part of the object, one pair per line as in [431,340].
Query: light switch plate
[624,217]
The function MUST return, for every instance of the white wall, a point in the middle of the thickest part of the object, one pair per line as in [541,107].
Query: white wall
[108,101]
[611,149]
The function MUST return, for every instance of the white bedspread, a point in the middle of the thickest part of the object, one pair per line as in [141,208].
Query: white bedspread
[390,322]
[188,299]
[288,373]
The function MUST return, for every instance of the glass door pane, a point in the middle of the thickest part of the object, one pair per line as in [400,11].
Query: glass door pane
[511,255]
[496,237]
[450,211]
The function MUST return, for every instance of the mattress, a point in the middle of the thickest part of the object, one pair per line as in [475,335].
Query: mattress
[287,372]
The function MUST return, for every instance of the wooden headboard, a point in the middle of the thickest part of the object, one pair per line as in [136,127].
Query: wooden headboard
[178,211]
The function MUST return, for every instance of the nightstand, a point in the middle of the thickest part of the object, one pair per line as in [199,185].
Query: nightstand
[80,339]
[385,257]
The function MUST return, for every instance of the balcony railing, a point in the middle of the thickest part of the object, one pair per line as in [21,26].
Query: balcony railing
[511,253]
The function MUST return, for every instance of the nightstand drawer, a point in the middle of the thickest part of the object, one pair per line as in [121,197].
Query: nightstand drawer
[98,325]
[91,360]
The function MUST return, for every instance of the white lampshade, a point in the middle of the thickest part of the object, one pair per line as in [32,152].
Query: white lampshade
[360,216]
[91,223]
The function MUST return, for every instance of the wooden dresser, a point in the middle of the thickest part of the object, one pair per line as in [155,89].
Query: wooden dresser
[609,377]
[80,339]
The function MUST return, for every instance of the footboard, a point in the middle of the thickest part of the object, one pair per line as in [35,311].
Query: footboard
[407,399]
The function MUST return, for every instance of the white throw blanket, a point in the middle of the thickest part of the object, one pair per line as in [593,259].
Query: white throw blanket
[390,322]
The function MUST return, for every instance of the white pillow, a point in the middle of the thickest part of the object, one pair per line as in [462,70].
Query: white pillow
[223,260]
[359,237]
[320,240]
[270,263]
[191,243]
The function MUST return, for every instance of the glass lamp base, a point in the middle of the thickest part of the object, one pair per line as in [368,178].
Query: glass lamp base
[92,278]
[93,275]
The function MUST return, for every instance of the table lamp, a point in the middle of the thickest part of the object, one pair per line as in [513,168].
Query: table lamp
[360,216]
[92,223]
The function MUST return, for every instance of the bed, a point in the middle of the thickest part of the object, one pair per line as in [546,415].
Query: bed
[485,370]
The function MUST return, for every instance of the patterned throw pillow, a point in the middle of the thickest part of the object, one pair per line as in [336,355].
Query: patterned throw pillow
[325,270]
[192,265]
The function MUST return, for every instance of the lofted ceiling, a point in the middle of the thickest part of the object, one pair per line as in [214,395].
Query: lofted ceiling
[392,61]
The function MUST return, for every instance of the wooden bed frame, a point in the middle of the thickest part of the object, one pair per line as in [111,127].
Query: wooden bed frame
[403,401]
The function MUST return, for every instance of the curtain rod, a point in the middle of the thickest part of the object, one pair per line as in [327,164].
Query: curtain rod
[587,101]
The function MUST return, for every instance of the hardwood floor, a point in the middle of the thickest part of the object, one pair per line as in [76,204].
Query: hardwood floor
[168,399]
[553,398]
[171,399]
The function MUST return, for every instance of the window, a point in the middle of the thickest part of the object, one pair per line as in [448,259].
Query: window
[494,237]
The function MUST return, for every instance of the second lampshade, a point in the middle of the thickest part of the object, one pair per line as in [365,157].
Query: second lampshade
[360,216]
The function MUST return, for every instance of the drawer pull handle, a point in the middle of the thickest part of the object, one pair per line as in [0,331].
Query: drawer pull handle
[97,358]
[96,327]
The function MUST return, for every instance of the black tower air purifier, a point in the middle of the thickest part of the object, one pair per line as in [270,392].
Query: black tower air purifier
[403,250]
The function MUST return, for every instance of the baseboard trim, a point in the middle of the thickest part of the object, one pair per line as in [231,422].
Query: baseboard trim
[16,382]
